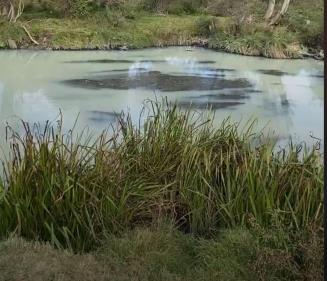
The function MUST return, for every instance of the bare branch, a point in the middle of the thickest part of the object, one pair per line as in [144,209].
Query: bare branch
[30,36]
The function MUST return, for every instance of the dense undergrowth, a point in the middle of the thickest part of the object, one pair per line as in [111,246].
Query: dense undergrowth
[223,25]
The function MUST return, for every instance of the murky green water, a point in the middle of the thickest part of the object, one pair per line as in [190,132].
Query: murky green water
[286,95]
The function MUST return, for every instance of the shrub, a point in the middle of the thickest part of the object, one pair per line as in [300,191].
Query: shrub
[236,8]
[115,17]
[75,8]
[80,8]
[183,7]
[206,25]
[305,19]
[154,5]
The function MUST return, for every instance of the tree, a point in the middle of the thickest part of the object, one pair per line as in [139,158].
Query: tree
[270,17]
[270,9]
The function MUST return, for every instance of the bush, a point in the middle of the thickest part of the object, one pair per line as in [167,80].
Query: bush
[117,12]
[183,7]
[236,8]
[60,8]
[80,8]
[305,19]
[205,25]
[154,5]
[115,17]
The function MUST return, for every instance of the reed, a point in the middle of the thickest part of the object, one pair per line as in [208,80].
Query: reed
[74,189]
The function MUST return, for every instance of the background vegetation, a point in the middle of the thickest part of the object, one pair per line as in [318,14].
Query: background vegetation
[234,26]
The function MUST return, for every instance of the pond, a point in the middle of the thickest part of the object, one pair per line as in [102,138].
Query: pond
[285,96]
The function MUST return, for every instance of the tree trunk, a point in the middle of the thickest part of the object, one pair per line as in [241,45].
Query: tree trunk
[282,12]
[270,9]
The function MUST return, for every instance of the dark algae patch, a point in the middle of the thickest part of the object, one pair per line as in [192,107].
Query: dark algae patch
[233,95]
[100,61]
[282,73]
[229,99]
[273,72]
[210,72]
[210,69]
[320,76]
[103,116]
[121,70]
[214,105]
[206,62]
[158,81]
[131,61]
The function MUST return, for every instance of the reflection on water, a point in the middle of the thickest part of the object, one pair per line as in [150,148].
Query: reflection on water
[32,106]
[287,95]
[103,116]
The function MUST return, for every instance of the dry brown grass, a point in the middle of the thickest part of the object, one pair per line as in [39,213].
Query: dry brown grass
[161,253]
[31,261]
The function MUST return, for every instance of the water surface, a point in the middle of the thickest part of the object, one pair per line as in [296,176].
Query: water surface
[285,95]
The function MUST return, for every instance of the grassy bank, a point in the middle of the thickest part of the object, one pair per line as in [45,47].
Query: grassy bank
[98,33]
[299,32]
[162,253]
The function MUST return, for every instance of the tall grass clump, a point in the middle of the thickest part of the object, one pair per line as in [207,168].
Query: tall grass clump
[256,40]
[73,190]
